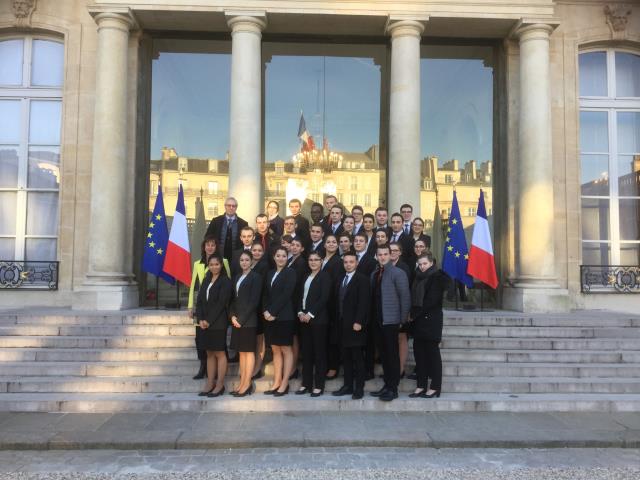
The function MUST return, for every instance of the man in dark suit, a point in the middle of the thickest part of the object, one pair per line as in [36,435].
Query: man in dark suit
[329,202]
[357,212]
[317,239]
[391,301]
[382,216]
[398,236]
[334,225]
[352,306]
[366,263]
[406,211]
[302,224]
[226,228]
[264,235]
[317,213]
[246,239]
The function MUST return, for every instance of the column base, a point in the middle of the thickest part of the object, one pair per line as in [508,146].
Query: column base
[105,297]
[535,299]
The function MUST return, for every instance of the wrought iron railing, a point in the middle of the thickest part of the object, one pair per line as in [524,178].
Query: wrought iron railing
[610,278]
[28,275]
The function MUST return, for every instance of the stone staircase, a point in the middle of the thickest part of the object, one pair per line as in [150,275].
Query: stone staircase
[143,360]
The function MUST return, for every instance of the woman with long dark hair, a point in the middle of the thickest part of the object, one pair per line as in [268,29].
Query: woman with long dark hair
[332,264]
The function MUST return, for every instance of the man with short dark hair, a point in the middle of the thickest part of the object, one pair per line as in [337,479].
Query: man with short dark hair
[317,213]
[334,225]
[382,217]
[264,235]
[366,263]
[406,211]
[398,236]
[302,224]
[226,228]
[357,212]
[316,233]
[247,236]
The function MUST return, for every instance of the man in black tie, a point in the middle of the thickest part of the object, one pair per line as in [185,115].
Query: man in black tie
[226,228]
[366,263]
[334,225]
[406,211]
[398,236]
[351,311]
[357,213]
[317,239]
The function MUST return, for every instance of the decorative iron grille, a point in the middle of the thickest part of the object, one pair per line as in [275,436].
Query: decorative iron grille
[610,278]
[28,275]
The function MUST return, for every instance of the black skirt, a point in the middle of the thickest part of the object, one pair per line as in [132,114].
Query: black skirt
[214,339]
[279,334]
[243,339]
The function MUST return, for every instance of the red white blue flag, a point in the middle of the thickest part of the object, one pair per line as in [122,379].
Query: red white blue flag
[303,134]
[177,262]
[481,261]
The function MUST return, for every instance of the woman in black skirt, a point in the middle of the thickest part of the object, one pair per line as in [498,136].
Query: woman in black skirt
[333,265]
[244,318]
[314,318]
[213,315]
[260,265]
[277,304]
[426,314]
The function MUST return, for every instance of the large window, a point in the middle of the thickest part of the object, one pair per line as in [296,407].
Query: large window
[610,157]
[31,77]
[457,130]
[338,90]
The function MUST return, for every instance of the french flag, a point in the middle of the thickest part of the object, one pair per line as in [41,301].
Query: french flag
[481,262]
[177,261]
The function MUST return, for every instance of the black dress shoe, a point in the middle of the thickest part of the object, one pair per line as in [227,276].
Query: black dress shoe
[214,395]
[271,392]
[282,394]
[388,395]
[247,392]
[294,374]
[417,394]
[344,390]
[302,391]
[258,375]
[379,393]
[202,372]
[317,394]
[357,395]
[431,395]
[204,394]
[413,376]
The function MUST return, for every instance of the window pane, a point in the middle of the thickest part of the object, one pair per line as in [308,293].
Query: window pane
[10,121]
[629,175]
[629,219]
[628,132]
[44,167]
[48,63]
[8,166]
[594,175]
[11,62]
[7,249]
[594,134]
[40,249]
[627,75]
[595,219]
[595,253]
[42,213]
[593,74]
[44,125]
[338,89]
[630,254]
[8,213]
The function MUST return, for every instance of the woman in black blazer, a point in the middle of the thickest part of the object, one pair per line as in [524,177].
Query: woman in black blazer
[426,314]
[244,318]
[212,312]
[260,265]
[332,264]
[277,305]
[314,318]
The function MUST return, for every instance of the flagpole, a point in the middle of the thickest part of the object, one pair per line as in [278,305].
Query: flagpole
[157,290]
[178,294]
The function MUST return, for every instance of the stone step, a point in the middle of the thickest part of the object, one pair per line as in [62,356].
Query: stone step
[185,384]
[96,342]
[575,321]
[97,330]
[541,344]
[540,332]
[451,402]
[188,353]
[181,367]
[175,319]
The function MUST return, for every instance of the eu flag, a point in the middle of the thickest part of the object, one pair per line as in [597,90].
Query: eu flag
[456,255]
[155,247]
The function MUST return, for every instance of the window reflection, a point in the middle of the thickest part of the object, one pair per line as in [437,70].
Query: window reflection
[336,89]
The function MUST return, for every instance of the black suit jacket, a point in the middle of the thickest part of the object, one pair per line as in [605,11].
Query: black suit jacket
[277,299]
[319,248]
[355,307]
[214,309]
[277,225]
[302,225]
[407,246]
[334,267]
[328,229]
[317,298]
[427,320]
[366,265]
[247,299]
[301,267]
[215,228]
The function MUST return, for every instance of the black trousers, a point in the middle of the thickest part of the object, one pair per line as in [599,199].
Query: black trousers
[428,363]
[313,342]
[202,352]
[353,362]
[389,351]
[333,356]
[370,349]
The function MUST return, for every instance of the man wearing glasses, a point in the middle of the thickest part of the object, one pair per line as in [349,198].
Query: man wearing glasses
[226,228]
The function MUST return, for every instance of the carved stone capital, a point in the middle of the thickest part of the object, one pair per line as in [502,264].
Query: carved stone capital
[22,10]
[617,16]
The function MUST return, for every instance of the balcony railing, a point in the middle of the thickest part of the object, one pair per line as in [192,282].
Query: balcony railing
[28,275]
[610,278]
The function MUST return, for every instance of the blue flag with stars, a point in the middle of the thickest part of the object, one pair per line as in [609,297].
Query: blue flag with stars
[456,255]
[155,247]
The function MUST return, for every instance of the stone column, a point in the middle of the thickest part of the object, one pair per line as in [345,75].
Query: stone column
[535,285]
[109,282]
[245,162]
[404,115]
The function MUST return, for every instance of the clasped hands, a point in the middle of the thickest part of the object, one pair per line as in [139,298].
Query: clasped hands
[304,317]
[268,317]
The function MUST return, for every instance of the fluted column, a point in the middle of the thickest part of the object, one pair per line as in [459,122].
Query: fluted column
[245,168]
[109,282]
[404,115]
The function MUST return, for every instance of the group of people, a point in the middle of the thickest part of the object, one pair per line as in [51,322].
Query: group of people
[342,290]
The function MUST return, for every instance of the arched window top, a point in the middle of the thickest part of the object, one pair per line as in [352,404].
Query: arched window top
[31,62]
[609,73]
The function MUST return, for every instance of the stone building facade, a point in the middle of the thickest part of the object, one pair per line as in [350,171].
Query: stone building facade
[104,166]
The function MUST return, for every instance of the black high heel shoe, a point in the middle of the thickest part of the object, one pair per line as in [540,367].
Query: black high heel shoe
[436,393]
[421,393]
[271,391]
[302,391]
[247,392]
[204,394]
[214,395]
[282,394]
